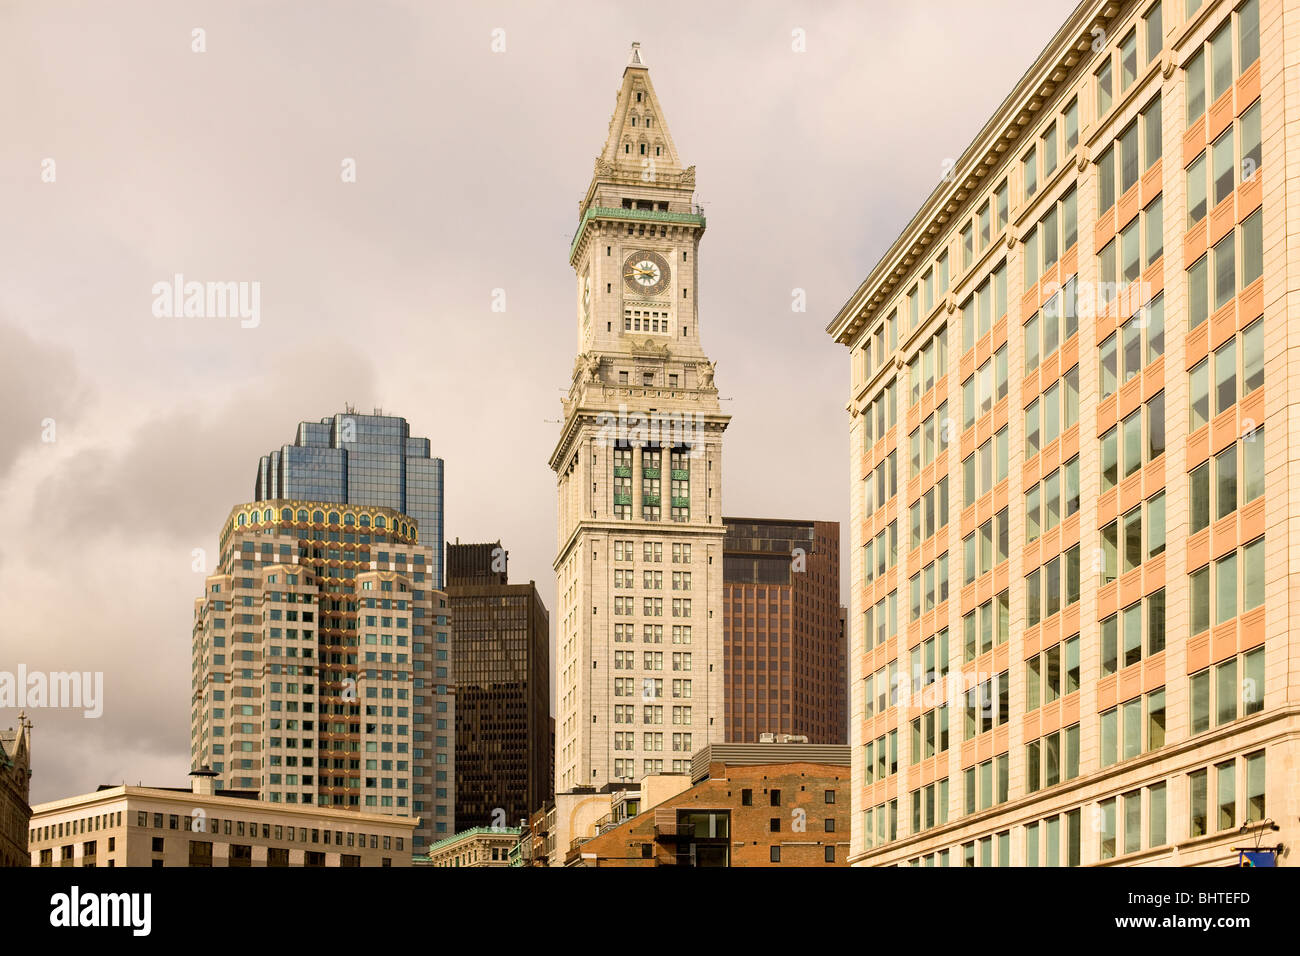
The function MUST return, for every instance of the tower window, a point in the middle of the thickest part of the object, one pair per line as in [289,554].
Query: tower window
[656,150]
[643,149]
[607,248]
[638,97]
[627,147]
[622,378]
[627,204]
[647,378]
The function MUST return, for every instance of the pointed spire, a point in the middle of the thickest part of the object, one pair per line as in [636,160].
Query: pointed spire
[638,137]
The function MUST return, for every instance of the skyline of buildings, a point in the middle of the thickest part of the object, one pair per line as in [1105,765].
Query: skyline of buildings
[1071,628]
[1081,658]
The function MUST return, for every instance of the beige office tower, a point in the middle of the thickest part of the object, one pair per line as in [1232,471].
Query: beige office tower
[320,664]
[1071,462]
[639,471]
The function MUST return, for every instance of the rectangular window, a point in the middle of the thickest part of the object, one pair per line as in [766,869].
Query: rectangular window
[1106,180]
[1104,90]
[1197,795]
[1128,60]
[1195,80]
[1199,392]
[1199,590]
[1198,292]
[1196,191]
[1156,815]
[1252,248]
[1225,270]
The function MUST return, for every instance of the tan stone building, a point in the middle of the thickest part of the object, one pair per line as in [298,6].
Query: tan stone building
[321,658]
[15,790]
[477,846]
[639,471]
[1071,637]
[206,826]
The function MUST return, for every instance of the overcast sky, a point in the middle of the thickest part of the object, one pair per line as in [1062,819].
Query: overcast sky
[225,165]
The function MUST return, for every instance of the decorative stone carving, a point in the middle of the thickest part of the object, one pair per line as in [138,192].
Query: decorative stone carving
[706,373]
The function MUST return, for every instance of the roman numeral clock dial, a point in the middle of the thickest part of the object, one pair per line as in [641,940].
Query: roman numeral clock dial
[646,273]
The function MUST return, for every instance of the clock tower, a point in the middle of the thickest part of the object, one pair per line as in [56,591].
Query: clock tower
[639,471]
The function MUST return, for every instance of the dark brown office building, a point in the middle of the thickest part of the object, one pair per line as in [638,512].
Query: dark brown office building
[786,661]
[501,634]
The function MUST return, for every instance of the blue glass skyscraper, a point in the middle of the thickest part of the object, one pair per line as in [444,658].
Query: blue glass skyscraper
[362,460]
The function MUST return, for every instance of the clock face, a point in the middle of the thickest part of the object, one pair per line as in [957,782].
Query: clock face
[586,294]
[646,272]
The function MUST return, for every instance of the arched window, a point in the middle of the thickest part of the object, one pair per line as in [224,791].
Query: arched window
[242,519]
[379,522]
[365,521]
[255,517]
[334,517]
[286,514]
[266,515]
[302,514]
[318,517]
[349,519]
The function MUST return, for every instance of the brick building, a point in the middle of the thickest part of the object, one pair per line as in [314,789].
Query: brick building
[748,805]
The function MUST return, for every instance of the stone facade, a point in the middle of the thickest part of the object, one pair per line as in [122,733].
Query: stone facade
[205,827]
[639,471]
[15,790]
[477,846]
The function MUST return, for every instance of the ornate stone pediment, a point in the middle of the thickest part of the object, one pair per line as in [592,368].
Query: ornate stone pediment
[650,349]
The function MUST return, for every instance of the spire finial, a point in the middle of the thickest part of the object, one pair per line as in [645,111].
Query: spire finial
[634,58]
